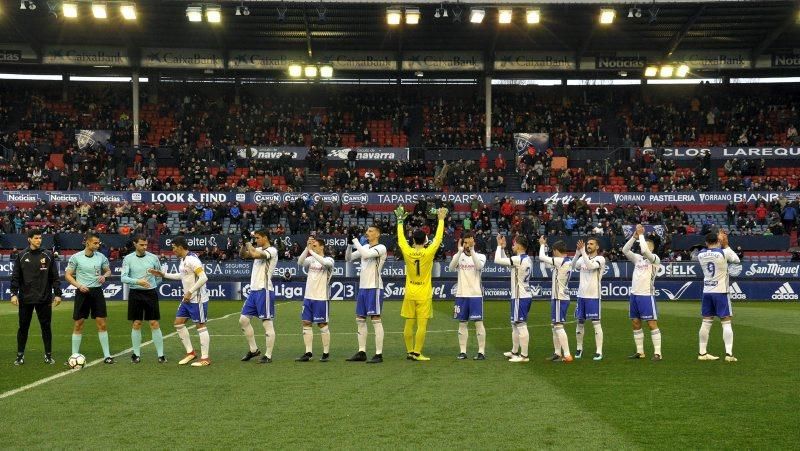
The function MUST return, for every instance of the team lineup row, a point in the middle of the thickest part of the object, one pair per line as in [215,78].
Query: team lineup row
[35,287]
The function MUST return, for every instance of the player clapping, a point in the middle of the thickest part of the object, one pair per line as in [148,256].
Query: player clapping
[643,300]
[562,269]
[520,295]
[469,295]
[316,301]
[591,267]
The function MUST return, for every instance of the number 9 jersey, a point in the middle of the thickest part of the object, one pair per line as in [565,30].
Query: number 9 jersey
[714,262]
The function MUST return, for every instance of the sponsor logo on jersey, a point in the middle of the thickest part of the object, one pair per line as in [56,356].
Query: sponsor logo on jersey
[785,293]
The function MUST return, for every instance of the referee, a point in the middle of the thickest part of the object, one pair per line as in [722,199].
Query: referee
[35,287]
[143,297]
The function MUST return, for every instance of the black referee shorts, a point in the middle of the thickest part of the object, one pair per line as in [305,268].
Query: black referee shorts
[143,305]
[88,304]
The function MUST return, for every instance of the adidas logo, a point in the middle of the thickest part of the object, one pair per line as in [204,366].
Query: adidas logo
[736,293]
[785,293]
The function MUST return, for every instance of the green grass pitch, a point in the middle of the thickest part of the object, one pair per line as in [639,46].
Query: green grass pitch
[678,403]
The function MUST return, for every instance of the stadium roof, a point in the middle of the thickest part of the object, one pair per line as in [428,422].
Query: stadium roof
[568,27]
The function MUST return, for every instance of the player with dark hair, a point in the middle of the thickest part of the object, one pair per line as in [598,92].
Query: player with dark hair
[561,265]
[143,297]
[316,299]
[194,304]
[35,287]
[643,299]
[521,295]
[591,267]
[369,301]
[260,301]
[87,271]
[714,261]
[468,305]
[417,306]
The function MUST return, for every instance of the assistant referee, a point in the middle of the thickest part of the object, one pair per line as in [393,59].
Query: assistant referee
[35,287]
[143,297]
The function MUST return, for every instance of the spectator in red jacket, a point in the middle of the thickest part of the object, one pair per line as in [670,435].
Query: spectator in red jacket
[761,213]
[500,162]
[484,161]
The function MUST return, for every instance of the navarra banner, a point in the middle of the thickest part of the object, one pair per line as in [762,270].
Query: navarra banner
[333,153]
[723,153]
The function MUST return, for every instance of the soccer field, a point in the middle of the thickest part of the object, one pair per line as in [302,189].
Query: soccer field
[617,403]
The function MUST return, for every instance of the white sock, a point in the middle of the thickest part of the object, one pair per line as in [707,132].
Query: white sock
[579,337]
[308,337]
[247,328]
[556,343]
[480,333]
[563,340]
[727,336]
[183,334]
[362,334]
[705,329]
[514,339]
[523,338]
[269,335]
[325,334]
[655,334]
[377,326]
[638,338]
[205,341]
[598,336]
[462,336]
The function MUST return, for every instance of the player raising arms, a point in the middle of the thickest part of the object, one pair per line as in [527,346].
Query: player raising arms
[714,260]
[369,301]
[521,295]
[260,301]
[417,306]
[643,299]
[316,300]
[559,304]
[194,304]
[591,267]
[469,294]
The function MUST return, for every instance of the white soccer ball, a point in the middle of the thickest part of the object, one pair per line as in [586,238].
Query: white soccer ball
[76,361]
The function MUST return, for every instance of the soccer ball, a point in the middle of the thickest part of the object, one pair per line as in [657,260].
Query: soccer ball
[76,361]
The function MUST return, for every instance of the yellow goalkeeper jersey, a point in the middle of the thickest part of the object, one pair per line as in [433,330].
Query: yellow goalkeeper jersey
[419,264]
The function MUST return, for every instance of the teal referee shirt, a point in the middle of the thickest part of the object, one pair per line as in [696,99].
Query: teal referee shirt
[135,267]
[88,269]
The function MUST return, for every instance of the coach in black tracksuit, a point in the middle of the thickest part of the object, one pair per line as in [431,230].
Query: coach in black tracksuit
[35,286]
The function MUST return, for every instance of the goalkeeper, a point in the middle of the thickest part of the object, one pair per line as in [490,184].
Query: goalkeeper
[418,300]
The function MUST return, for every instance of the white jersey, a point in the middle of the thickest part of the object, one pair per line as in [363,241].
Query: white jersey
[645,268]
[318,280]
[714,262]
[520,273]
[591,269]
[263,268]
[562,270]
[371,265]
[469,274]
[190,269]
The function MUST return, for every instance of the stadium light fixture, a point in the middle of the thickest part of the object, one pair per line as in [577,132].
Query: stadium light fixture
[504,15]
[128,11]
[651,71]
[393,16]
[326,71]
[666,71]
[295,70]
[70,10]
[607,16]
[214,14]
[533,16]
[194,13]
[476,15]
[412,16]
[682,71]
[310,71]
[99,10]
